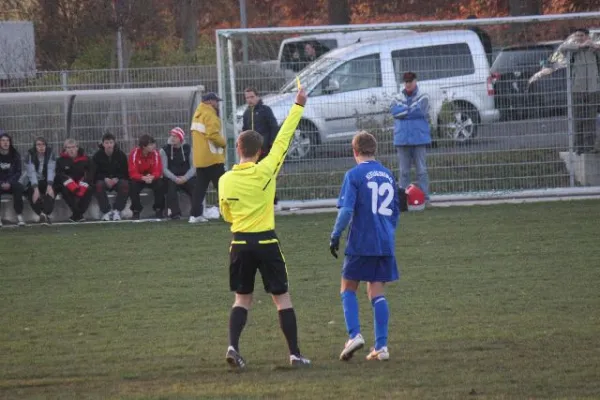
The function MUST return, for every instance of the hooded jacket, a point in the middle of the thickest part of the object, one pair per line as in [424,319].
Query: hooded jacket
[10,164]
[411,118]
[208,144]
[40,170]
[140,165]
[113,166]
[177,161]
[77,168]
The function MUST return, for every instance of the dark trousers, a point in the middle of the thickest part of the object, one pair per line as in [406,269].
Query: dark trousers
[78,205]
[44,203]
[585,107]
[173,190]
[122,190]
[16,189]
[204,176]
[136,187]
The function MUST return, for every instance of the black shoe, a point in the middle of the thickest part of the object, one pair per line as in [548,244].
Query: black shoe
[175,217]
[44,219]
[136,215]
[76,218]
[159,214]
[234,359]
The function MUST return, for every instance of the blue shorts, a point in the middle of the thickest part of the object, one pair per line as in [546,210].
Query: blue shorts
[370,268]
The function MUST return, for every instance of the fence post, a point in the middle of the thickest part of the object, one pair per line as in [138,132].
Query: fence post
[570,122]
[64,82]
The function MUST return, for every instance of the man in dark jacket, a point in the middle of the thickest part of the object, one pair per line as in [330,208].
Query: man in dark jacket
[39,179]
[178,170]
[10,173]
[72,179]
[110,174]
[259,117]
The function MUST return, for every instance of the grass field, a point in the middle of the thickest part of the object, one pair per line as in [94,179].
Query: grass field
[494,302]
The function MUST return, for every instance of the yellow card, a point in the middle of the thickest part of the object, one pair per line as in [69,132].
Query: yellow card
[298,83]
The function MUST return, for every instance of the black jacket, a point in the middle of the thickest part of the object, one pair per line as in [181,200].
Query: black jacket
[77,168]
[114,166]
[10,164]
[260,118]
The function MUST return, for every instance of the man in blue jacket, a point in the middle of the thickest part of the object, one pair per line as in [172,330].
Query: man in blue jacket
[412,133]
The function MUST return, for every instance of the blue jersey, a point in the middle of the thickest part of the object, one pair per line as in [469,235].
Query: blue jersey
[370,190]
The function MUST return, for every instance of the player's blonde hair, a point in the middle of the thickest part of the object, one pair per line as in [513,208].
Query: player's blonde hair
[364,144]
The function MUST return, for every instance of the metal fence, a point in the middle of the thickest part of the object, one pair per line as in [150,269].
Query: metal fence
[500,122]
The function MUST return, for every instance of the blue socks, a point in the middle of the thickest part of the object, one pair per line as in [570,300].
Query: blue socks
[381,315]
[350,306]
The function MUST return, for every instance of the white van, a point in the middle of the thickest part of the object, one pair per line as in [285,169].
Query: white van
[359,82]
[292,50]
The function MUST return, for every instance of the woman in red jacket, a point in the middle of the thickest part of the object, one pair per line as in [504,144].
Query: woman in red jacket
[145,171]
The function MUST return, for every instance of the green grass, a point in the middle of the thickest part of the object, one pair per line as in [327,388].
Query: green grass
[494,302]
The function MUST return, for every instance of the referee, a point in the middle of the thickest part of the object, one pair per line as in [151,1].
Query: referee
[246,194]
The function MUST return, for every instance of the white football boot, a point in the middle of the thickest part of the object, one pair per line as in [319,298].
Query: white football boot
[351,346]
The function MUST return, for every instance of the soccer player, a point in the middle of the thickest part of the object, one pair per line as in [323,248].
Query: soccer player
[246,195]
[369,202]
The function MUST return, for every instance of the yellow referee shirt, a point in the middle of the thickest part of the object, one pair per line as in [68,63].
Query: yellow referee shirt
[247,192]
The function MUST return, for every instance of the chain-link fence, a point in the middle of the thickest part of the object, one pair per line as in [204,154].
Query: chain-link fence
[497,93]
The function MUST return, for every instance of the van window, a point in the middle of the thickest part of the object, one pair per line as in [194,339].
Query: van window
[359,73]
[297,55]
[435,62]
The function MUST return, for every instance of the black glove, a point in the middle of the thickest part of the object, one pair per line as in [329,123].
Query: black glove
[334,246]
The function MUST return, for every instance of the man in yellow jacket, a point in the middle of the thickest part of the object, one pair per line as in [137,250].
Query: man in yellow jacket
[208,148]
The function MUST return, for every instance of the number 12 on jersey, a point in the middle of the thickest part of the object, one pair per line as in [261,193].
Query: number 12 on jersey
[384,190]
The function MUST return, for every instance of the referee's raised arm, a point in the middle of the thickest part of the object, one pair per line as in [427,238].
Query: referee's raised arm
[276,156]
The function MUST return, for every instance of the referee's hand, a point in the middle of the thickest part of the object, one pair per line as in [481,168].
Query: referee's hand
[334,246]
[301,97]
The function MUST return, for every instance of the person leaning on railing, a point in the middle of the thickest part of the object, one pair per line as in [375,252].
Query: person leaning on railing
[584,56]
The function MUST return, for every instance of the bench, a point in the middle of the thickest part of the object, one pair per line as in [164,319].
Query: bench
[62,212]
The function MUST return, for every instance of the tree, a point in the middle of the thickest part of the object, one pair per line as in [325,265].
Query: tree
[186,18]
[525,7]
[338,12]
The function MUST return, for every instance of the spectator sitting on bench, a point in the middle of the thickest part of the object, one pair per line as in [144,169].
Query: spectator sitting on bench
[145,171]
[110,174]
[178,170]
[72,179]
[10,173]
[39,179]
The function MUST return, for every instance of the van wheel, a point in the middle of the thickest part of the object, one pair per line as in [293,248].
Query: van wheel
[304,142]
[459,124]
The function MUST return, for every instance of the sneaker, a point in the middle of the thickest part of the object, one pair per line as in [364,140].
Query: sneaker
[197,220]
[107,216]
[234,359]
[296,360]
[159,214]
[20,220]
[0,223]
[43,219]
[116,215]
[136,215]
[351,346]
[175,217]
[381,354]
[76,218]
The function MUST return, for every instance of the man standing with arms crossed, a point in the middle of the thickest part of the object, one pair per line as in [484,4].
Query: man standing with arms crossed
[246,196]
[259,117]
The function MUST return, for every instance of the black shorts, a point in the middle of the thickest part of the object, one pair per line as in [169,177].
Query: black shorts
[250,252]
